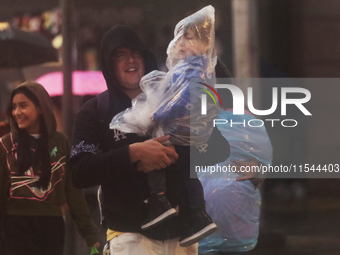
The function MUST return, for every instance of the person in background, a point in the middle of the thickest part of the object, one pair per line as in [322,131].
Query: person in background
[234,200]
[34,183]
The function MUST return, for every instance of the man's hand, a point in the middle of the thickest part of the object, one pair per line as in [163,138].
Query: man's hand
[152,155]
[246,175]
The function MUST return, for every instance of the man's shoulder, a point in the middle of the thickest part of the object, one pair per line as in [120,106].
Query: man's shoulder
[90,105]
[89,125]
[97,104]
[88,115]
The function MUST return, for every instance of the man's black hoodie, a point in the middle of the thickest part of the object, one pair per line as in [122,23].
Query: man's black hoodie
[100,156]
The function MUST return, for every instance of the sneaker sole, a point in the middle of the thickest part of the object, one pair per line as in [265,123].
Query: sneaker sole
[167,215]
[199,235]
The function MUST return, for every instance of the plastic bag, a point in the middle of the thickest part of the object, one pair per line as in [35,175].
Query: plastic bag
[235,205]
[171,102]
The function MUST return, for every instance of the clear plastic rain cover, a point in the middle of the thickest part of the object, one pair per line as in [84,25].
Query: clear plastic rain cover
[171,102]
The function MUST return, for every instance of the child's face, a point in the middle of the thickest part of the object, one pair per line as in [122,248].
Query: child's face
[190,45]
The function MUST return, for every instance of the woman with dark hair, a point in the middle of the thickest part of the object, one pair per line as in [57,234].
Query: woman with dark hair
[34,185]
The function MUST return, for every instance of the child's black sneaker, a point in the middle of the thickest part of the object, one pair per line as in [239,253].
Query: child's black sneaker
[202,226]
[160,210]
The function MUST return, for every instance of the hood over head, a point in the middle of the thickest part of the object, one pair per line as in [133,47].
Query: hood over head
[45,104]
[122,36]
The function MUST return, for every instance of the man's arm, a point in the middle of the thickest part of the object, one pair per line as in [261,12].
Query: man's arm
[152,154]
[89,166]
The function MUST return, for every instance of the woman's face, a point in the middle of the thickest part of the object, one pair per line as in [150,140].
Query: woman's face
[25,113]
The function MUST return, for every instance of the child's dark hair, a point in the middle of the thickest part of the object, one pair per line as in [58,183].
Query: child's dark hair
[26,157]
[201,26]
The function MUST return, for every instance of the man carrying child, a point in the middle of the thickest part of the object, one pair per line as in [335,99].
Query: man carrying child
[118,161]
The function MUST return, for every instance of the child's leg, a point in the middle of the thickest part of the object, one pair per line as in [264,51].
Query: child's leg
[156,181]
[202,224]
[195,194]
[200,221]
[192,186]
[160,208]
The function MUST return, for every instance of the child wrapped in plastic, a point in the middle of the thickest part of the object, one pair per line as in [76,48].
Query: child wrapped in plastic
[235,205]
[171,105]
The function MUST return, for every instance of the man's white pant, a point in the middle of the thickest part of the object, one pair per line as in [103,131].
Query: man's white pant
[137,244]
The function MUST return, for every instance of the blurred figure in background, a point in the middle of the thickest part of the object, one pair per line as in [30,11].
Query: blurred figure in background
[234,200]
